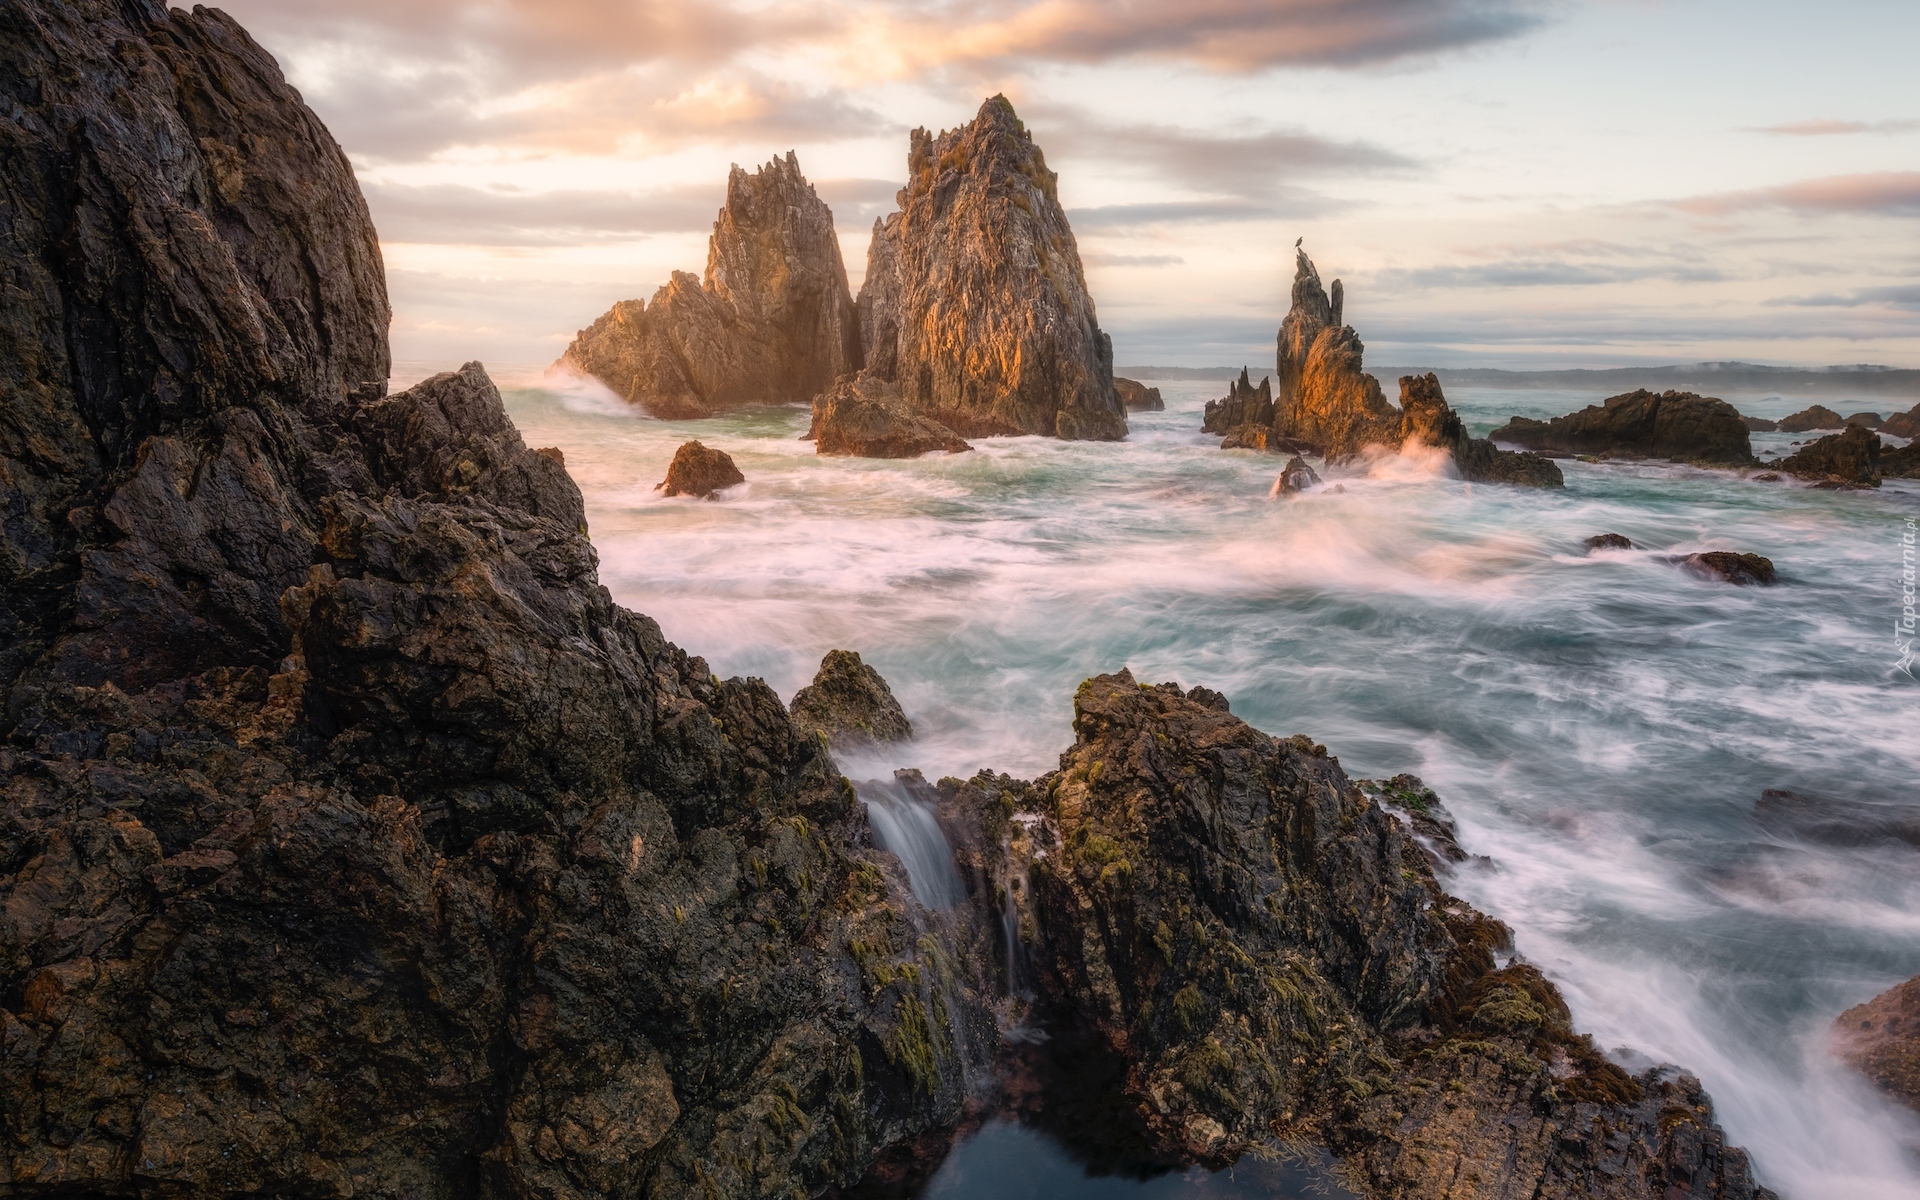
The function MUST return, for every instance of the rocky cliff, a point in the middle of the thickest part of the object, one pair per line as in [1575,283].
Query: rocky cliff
[352,840]
[771,322]
[1680,426]
[975,302]
[1264,955]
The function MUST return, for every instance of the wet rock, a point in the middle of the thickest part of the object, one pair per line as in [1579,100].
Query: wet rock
[1410,799]
[975,302]
[1138,397]
[1296,478]
[1767,477]
[698,470]
[1680,426]
[1817,417]
[1727,567]
[352,840]
[1244,407]
[1608,541]
[1427,419]
[1837,822]
[1905,425]
[1865,420]
[866,417]
[1259,948]
[1881,1040]
[850,704]
[1760,424]
[1850,458]
[1903,463]
[770,322]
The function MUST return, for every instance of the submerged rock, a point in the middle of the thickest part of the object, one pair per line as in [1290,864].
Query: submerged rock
[1608,541]
[1760,424]
[698,470]
[1296,478]
[1138,397]
[850,704]
[1680,426]
[1817,417]
[1881,1040]
[1837,822]
[1728,567]
[1261,955]
[771,322]
[866,417]
[975,302]
[1850,458]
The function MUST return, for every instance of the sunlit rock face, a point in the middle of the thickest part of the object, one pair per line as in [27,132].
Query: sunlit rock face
[771,322]
[975,302]
[1324,399]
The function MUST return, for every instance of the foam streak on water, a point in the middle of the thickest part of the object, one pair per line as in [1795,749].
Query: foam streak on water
[1601,724]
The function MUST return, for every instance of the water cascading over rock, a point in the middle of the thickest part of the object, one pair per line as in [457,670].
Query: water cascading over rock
[771,322]
[975,302]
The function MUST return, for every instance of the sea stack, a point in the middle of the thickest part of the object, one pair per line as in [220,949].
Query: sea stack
[975,302]
[772,321]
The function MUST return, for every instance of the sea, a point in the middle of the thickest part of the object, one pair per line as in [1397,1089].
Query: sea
[1600,724]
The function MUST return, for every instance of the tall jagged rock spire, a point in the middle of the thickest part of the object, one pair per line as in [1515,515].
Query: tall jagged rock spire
[771,321]
[975,301]
[1323,397]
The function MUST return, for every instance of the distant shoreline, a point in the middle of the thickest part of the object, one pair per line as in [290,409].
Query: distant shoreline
[1694,377]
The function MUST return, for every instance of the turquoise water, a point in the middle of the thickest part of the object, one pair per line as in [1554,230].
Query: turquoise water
[1600,724]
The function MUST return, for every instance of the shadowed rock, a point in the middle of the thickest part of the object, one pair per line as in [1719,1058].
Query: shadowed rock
[1296,478]
[1679,426]
[1865,420]
[1881,1040]
[1817,417]
[1905,425]
[1427,420]
[975,302]
[866,417]
[1243,407]
[1903,463]
[850,704]
[1322,397]
[1262,955]
[1850,458]
[1608,541]
[698,470]
[1725,566]
[1759,424]
[771,322]
[1138,397]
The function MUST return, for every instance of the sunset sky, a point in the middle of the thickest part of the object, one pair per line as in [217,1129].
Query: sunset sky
[1500,182]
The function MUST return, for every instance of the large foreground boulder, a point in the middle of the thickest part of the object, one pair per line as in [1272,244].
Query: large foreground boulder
[1257,954]
[1680,426]
[771,322]
[1850,458]
[975,302]
[867,417]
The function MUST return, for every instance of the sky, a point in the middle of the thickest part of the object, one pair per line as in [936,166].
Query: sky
[1506,183]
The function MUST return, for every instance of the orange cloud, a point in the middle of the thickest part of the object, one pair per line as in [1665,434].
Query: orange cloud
[1886,193]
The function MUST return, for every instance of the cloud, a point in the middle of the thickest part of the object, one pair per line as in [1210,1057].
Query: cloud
[451,214]
[1099,258]
[1885,193]
[1542,273]
[1828,128]
[1905,297]
[1168,212]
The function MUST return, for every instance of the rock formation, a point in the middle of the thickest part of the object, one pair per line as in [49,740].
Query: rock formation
[850,704]
[1295,478]
[1903,463]
[1881,1040]
[866,417]
[355,842]
[1725,566]
[975,302]
[1266,957]
[1817,417]
[699,471]
[772,322]
[1327,405]
[1680,426]
[1905,425]
[1138,397]
[1759,424]
[1608,541]
[1865,420]
[1850,458]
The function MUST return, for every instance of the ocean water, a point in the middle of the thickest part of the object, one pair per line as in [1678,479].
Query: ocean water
[1600,724]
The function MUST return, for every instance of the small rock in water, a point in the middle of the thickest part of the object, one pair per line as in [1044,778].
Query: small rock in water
[1881,1040]
[1849,459]
[1138,397]
[850,703]
[1608,541]
[699,471]
[1728,567]
[1866,420]
[865,417]
[1297,477]
[1767,477]
[1760,425]
[1817,417]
